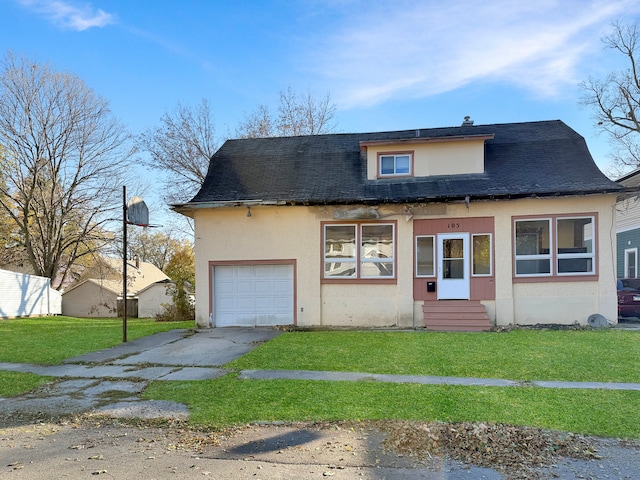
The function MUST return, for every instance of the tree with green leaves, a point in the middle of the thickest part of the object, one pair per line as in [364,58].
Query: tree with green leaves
[181,269]
[64,156]
[156,247]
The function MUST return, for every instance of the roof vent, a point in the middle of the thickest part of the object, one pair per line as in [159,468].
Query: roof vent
[467,121]
[417,133]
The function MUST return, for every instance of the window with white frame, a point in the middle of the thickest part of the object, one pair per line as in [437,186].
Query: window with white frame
[359,251]
[575,246]
[340,251]
[533,247]
[556,246]
[481,254]
[425,256]
[394,164]
[631,263]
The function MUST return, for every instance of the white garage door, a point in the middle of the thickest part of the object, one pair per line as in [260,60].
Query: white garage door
[251,295]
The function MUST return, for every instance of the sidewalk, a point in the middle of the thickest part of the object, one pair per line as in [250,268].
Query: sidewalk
[425,380]
[114,390]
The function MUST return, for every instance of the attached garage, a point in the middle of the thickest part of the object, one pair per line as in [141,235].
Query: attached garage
[248,295]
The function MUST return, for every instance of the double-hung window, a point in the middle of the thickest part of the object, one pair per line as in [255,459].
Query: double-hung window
[533,247]
[363,251]
[394,164]
[554,246]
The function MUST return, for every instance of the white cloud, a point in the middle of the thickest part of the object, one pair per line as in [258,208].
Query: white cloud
[414,49]
[67,15]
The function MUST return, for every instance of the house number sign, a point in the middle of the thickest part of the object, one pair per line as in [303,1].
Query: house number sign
[453,226]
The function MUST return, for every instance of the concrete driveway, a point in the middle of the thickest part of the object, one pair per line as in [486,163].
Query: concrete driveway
[109,382]
[205,348]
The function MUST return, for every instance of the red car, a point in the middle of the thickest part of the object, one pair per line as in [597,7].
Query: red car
[628,297]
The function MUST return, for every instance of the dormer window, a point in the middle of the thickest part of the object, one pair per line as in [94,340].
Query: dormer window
[394,164]
[420,156]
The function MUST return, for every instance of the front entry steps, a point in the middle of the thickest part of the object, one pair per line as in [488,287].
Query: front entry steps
[456,316]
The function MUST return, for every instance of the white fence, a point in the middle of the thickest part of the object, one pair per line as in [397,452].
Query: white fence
[23,295]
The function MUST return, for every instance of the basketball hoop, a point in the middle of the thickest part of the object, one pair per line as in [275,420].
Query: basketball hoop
[134,212]
[137,212]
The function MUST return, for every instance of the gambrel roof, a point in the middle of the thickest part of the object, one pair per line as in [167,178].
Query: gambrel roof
[531,159]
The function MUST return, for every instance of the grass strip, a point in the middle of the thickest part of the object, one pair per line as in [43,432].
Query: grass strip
[17,383]
[227,401]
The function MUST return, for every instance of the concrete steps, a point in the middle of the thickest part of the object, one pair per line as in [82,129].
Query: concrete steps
[456,316]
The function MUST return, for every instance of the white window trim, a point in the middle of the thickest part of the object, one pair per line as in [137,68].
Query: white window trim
[395,155]
[374,260]
[564,256]
[553,255]
[358,258]
[542,256]
[433,255]
[350,260]
[626,262]
[490,274]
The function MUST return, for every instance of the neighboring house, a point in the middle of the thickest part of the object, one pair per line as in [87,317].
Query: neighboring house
[450,228]
[99,289]
[26,295]
[628,227]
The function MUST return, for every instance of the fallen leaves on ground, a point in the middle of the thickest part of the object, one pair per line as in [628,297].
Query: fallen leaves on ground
[511,449]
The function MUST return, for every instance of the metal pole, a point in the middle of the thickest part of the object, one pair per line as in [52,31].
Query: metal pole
[124,264]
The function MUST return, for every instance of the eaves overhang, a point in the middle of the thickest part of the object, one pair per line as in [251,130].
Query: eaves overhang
[189,208]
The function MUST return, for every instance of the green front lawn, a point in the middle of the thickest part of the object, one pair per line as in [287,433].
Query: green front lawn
[584,355]
[49,340]
[605,356]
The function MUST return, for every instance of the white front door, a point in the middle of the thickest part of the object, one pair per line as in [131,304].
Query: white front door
[453,266]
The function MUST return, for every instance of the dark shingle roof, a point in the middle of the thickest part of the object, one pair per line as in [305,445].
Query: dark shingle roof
[523,159]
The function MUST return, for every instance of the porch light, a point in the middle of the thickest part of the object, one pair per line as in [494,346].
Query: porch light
[248,211]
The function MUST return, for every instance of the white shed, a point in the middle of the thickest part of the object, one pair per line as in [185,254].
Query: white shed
[23,295]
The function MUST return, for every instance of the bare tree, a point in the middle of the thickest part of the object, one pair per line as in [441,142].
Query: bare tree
[297,115]
[64,155]
[615,99]
[11,251]
[180,148]
[258,124]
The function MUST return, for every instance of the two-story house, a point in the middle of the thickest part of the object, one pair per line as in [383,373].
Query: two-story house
[628,226]
[455,228]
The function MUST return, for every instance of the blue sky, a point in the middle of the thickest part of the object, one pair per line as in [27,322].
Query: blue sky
[388,65]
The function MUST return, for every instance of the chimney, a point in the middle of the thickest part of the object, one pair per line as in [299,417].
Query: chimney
[467,121]
[137,262]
